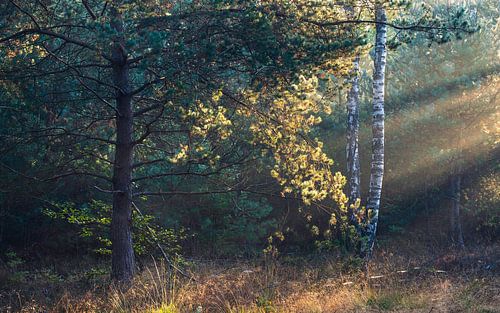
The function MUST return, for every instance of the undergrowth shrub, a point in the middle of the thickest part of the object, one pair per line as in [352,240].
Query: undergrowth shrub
[482,202]
[94,221]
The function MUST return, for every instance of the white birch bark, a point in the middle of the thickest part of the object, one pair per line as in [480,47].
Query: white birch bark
[378,116]
[352,147]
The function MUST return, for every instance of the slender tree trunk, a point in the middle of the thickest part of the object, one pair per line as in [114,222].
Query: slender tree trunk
[456,224]
[457,237]
[378,115]
[352,148]
[122,258]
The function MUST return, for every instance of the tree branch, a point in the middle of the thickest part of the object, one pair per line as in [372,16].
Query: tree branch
[40,31]
[89,9]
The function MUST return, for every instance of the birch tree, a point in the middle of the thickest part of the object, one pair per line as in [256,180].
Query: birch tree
[378,116]
[352,148]
[352,135]
[155,92]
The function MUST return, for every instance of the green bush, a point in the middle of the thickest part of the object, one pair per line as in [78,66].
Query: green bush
[94,220]
[482,201]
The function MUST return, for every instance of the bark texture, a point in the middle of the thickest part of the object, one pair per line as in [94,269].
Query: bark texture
[378,116]
[352,148]
[456,224]
[122,259]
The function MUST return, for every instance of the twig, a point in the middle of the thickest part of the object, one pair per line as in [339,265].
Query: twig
[165,256]
[89,9]
[108,191]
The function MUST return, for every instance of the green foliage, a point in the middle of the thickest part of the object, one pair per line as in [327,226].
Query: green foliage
[227,225]
[95,274]
[343,240]
[94,220]
[482,202]
[385,301]
[49,276]
[265,303]
[235,90]
[13,260]
[15,273]
[165,308]
[250,221]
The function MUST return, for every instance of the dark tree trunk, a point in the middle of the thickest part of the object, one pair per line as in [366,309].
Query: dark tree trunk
[122,259]
[456,224]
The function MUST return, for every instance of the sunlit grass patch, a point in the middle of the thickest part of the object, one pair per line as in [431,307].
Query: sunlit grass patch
[320,285]
[165,308]
[385,300]
[478,296]
[389,300]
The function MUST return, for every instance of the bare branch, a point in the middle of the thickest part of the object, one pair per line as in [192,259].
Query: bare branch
[108,191]
[89,9]
[32,18]
[185,193]
[150,108]
[77,173]
[81,81]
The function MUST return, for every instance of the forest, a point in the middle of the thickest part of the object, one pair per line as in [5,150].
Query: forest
[260,156]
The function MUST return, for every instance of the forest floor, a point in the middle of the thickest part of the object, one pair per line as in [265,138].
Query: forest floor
[404,277]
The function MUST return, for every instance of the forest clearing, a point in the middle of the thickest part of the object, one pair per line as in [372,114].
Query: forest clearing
[401,281]
[168,156]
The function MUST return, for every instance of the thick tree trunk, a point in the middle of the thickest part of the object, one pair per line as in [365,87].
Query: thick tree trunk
[378,115]
[352,148]
[456,224]
[122,258]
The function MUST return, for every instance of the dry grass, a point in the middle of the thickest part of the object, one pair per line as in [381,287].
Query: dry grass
[322,284]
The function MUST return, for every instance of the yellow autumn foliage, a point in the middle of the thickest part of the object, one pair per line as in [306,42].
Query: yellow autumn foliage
[301,166]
